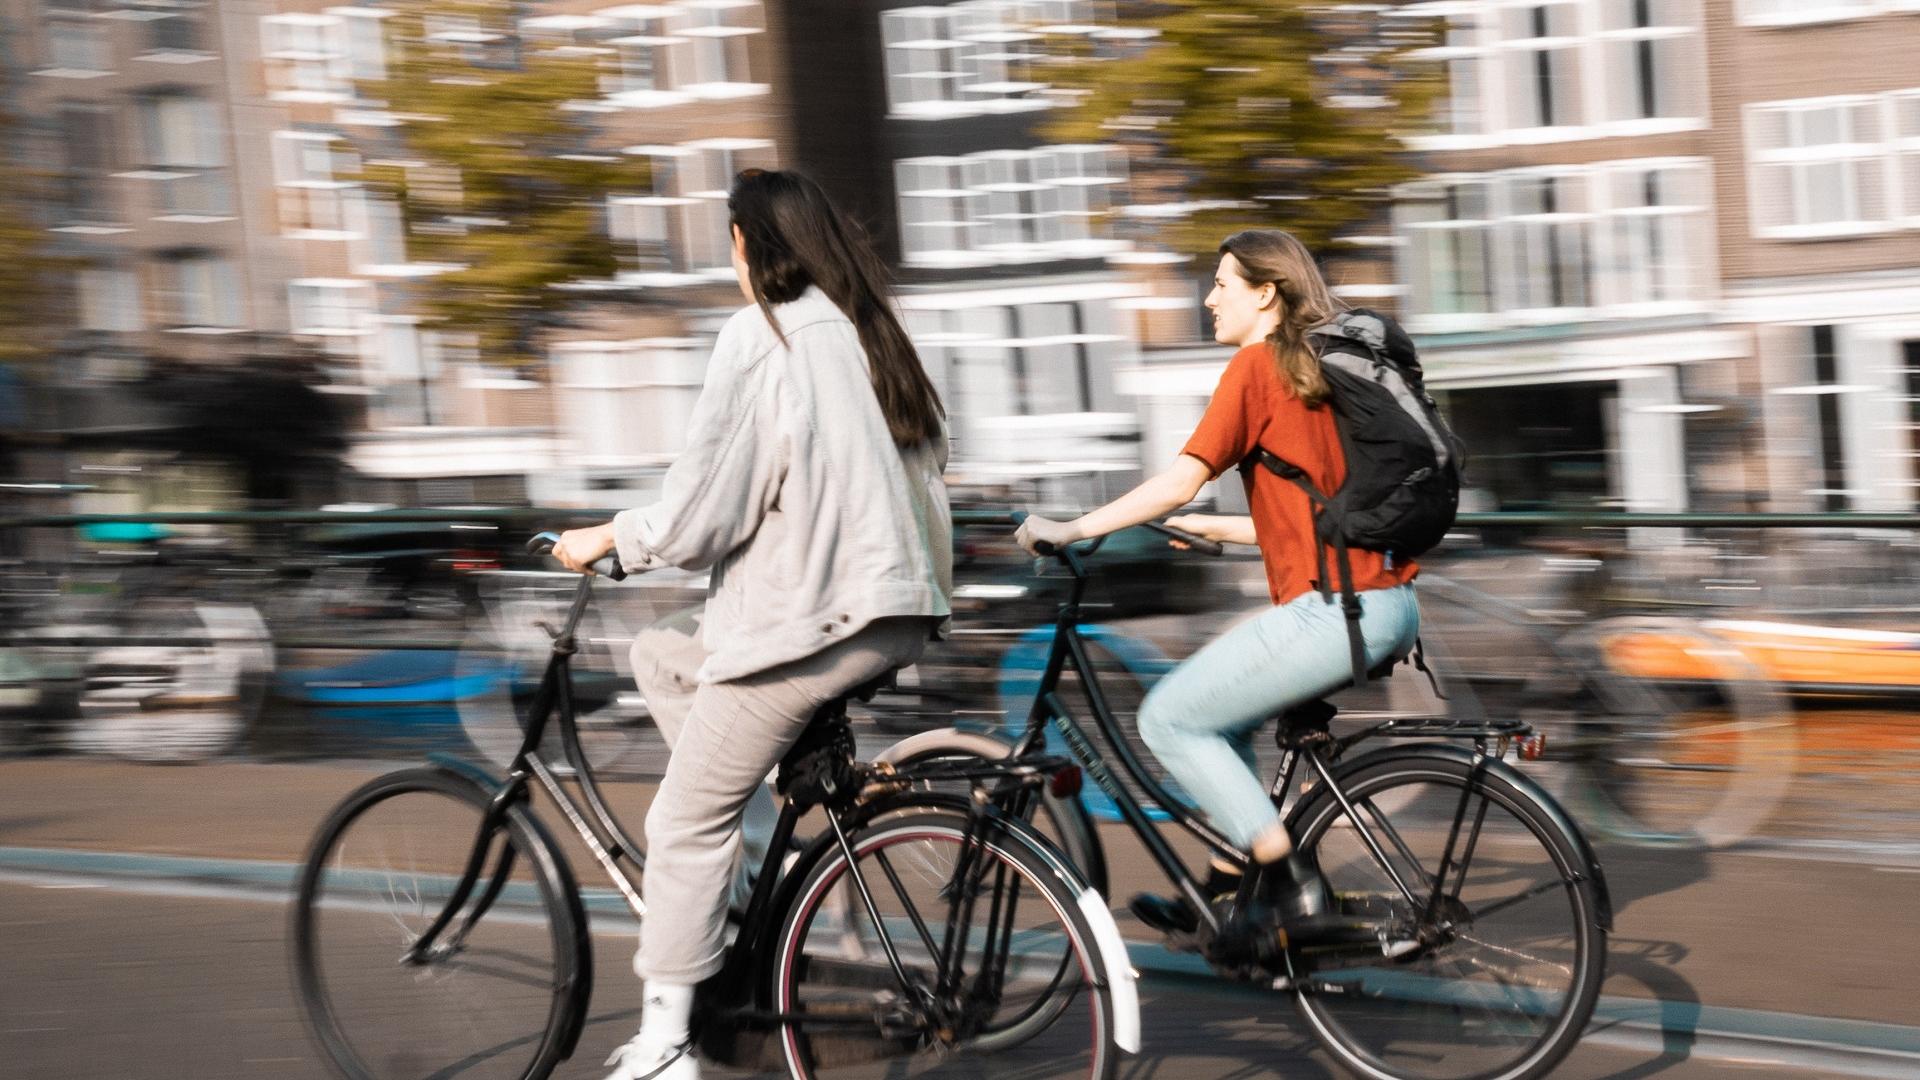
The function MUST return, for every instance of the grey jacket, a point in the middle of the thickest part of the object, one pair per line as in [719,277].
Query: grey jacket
[792,492]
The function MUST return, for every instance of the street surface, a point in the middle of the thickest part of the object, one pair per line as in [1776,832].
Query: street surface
[142,914]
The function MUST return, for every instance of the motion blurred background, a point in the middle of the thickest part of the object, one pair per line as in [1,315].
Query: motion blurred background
[310,314]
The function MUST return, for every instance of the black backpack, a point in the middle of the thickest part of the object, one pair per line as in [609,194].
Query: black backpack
[1403,463]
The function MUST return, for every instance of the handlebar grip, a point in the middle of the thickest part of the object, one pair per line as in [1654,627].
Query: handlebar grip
[1042,547]
[1198,543]
[608,566]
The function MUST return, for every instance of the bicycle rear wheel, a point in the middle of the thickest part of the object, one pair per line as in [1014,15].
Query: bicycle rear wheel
[502,999]
[1683,740]
[1032,1001]
[1510,969]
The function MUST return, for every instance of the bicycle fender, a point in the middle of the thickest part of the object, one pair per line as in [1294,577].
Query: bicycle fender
[1120,978]
[1509,775]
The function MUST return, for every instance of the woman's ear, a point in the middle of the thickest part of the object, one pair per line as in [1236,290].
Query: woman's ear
[1269,295]
[739,242]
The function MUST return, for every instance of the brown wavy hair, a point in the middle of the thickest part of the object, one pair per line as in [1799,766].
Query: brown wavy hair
[1270,256]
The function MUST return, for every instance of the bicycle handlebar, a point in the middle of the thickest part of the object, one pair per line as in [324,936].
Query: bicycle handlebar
[1197,543]
[609,565]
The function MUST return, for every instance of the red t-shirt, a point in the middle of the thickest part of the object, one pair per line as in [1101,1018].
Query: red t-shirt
[1254,406]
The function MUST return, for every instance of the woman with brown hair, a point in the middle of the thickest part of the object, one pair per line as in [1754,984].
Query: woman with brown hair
[1270,301]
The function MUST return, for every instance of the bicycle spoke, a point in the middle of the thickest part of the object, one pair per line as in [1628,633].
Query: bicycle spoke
[913,912]
[1480,914]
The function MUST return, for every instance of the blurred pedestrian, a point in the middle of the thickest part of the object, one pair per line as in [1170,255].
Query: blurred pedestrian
[1270,302]
[811,488]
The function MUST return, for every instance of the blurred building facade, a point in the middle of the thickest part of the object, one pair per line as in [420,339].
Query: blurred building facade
[1674,241]
[1662,257]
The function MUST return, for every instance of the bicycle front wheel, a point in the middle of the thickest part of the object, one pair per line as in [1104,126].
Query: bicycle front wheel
[499,994]
[988,932]
[1511,949]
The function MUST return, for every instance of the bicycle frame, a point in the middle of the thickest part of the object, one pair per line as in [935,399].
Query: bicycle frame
[1069,647]
[611,847]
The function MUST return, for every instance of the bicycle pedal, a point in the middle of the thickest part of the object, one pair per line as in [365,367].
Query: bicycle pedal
[1394,950]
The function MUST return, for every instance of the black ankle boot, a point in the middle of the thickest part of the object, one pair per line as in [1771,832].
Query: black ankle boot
[1297,893]
[1172,914]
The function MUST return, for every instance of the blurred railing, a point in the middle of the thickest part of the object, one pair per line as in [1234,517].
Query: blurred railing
[1852,577]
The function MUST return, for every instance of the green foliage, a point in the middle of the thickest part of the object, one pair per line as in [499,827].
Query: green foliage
[495,172]
[30,272]
[1251,103]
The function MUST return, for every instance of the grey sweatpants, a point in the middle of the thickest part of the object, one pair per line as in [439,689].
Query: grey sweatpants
[725,739]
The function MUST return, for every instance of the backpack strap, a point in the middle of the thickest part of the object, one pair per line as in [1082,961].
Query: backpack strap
[1349,599]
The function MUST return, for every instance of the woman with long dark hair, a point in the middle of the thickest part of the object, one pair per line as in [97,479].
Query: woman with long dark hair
[811,489]
[1270,302]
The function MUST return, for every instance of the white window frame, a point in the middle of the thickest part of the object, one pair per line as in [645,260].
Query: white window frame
[87,55]
[1694,73]
[1471,22]
[1020,206]
[209,300]
[328,307]
[316,58]
[183,144]
[684,218]
[984,43]
[1408,250]
[1512,51]
[1800,12]
[1607,263]
[306,197]
[1847,151]
[1506,221]
[1901,147]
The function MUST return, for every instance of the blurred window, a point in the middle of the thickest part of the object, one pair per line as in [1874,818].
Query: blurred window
[78,47]
[1447,260]
[1765,12]
[307,173]
[110,299]
[719,31]
[198,289]
[1542,43]
[681,225]
[1465,56]
[85,135]
[327,307]
[316,58]
[1008,206]
[1820,166]
[1904,115]
[1658,233]
[184,144]
[662,53]
[1545,237]
[1654,59]
[172,26]
[981,56]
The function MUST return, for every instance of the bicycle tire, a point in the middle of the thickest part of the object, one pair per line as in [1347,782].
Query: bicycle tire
[806,1055]
[1404,989]
[545,892]
[1686,745]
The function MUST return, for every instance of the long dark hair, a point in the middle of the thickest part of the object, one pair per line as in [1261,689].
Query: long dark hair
[1270,255]
[795,237]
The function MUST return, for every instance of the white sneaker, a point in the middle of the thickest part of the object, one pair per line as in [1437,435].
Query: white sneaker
[643,1059]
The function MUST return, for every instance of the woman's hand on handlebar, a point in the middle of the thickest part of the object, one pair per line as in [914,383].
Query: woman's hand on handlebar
[1036,531]
[579,549]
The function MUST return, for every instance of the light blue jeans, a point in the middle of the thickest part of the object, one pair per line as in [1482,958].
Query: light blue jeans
[1201,718]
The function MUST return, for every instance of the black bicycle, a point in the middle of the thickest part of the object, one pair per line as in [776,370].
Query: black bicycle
[439,931]
[1479,911]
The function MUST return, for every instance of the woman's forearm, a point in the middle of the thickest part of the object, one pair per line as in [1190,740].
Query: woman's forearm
[1226,528]
[1155,498]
